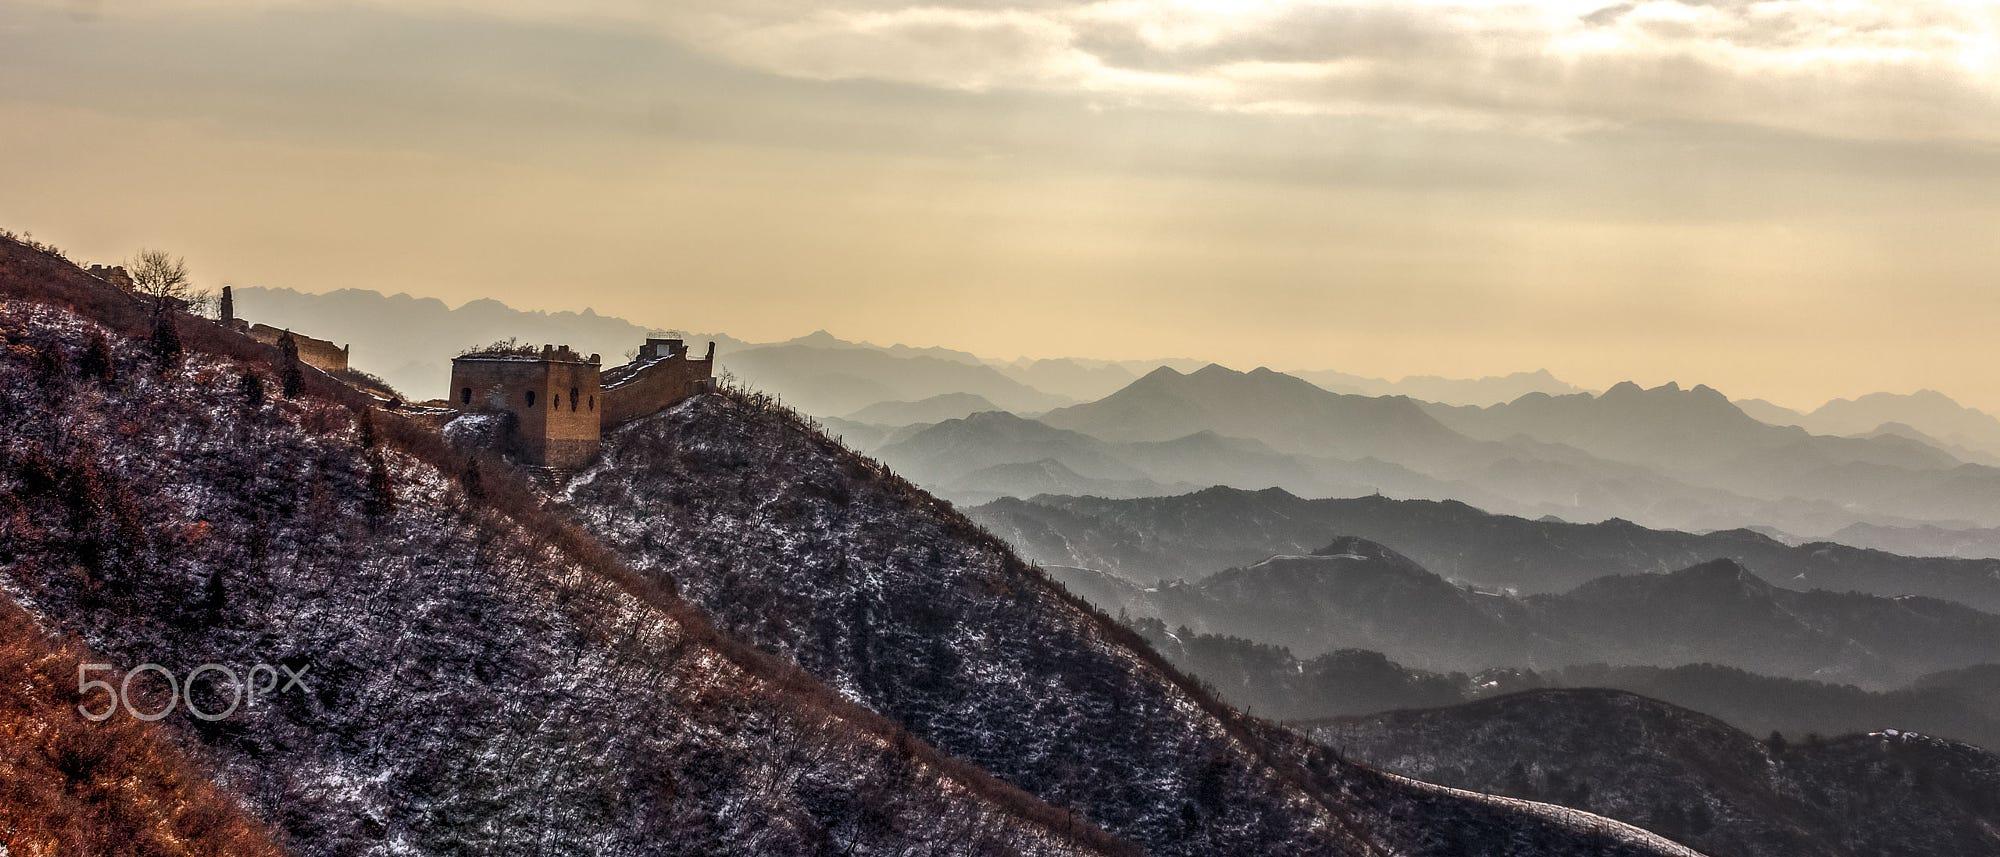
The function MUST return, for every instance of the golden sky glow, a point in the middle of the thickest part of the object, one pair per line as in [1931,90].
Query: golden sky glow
[1795,199]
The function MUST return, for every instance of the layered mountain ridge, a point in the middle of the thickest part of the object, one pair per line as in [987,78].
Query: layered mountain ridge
[1192,535]
[1356,594]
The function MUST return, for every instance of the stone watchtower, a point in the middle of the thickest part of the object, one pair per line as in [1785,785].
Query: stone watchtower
[553,396]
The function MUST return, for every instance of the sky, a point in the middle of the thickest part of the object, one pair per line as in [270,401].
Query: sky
[1794,200]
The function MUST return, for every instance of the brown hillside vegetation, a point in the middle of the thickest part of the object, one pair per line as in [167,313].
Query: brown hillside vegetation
[73,787]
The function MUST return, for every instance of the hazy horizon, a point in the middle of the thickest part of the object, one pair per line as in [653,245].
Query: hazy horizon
[363,359]
[1792,201]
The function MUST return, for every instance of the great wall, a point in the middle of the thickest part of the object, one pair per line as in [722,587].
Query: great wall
[555,404]
[558,403]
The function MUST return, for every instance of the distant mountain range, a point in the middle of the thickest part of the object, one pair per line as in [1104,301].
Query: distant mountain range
[1699,438]
[1927,411]
[1189,536]
[1356,594]
[1695,779]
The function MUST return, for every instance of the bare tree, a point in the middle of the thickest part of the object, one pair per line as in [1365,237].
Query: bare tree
[162,277]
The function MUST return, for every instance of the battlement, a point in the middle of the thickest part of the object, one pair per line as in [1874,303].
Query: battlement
[562,401]
[320,353]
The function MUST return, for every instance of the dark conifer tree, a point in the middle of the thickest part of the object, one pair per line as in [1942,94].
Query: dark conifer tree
[252,386]
[470,479]
[215,596]
[290,376]
[381,491]
[166,341]
[96,363]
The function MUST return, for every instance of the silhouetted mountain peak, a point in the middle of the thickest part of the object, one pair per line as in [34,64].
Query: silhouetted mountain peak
[1359,547]
[1163,374]
[1718,570]
[996,418]
[820,337]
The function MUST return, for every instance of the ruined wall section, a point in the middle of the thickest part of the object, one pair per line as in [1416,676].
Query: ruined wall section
[313,352]
[641,388]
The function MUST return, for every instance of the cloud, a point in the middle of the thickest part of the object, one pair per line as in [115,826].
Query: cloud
[1926,69]
[1897,69]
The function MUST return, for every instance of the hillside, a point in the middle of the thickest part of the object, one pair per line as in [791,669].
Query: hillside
[1975,543]
[1283,412]
[1696,779]
[483,677]
[958,459]
[1191,535]
[949,451]
[1356,594]
[1272,681]
[74,786]
[825,558]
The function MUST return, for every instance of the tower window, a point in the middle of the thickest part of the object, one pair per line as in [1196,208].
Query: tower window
[572,398]
[465,395]
[556,402]
[531,398]
[593,403]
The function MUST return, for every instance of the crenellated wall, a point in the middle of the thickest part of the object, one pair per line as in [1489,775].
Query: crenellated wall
[646,386]
[561,402]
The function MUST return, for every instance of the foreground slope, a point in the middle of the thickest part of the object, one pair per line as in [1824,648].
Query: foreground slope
[1696,779]
[891,596]
[481,679]
[73,786]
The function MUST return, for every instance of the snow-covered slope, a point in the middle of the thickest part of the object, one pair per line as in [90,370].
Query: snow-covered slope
[478,679]
[893,597]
